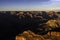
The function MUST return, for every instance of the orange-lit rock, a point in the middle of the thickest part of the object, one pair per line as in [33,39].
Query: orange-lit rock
[28,35]
[20,38]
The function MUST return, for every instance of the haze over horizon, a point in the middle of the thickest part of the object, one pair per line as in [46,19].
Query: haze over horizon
[29,5]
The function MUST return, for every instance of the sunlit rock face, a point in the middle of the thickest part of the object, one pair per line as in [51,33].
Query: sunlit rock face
[29,35]
[53,23]
[20,38]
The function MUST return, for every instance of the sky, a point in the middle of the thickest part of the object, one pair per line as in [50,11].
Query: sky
[29,5]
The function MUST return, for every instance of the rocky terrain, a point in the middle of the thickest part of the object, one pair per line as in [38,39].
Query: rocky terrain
[46,24]
[28,35]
